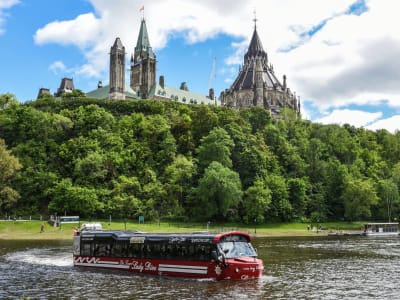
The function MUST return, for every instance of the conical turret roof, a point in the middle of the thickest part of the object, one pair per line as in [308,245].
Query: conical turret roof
[255,47]
[118,44]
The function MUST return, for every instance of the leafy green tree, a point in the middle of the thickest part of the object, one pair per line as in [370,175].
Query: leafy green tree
[34,184]
[7,100]
[90,117]
[336,175]
[317,209]
[216,146]
[9,167]
[256,202]
[73,199]
[154,132]
[76,93]
[124,201]
[257,117]
[297,189]
[156,202]
[203,121]
[388,206]
[218,194]
[90,170]
[280,208]
[251,158]
[179,178]
[181,124]
[359,196]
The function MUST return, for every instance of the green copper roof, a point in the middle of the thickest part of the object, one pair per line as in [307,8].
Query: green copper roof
[104,93]
[143,48]
[182,96]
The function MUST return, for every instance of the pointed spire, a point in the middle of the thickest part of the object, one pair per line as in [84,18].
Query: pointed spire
[143,48]
[255,48]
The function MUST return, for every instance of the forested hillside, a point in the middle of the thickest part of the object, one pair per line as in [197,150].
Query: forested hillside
[165,160]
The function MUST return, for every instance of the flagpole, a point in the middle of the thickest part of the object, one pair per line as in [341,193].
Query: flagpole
[142,10]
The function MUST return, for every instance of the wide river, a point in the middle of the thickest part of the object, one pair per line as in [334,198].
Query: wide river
[295,268]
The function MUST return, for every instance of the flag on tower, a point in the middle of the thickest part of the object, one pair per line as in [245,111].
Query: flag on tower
[142,8]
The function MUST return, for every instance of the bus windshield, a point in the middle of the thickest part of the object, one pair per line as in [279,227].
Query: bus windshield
[237,249]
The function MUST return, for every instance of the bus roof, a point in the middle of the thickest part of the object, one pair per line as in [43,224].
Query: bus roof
[176,237]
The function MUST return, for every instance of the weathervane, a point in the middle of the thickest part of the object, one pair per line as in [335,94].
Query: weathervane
[255,19]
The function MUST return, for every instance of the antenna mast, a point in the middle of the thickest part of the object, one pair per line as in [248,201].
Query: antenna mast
[212,74]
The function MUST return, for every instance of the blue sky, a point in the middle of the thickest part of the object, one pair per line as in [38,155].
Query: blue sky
[340,57]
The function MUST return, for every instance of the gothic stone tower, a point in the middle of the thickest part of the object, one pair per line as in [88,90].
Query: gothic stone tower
[117,70]
[257,84]
[143,64]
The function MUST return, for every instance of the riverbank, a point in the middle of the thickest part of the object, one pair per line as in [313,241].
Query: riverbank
[31,230]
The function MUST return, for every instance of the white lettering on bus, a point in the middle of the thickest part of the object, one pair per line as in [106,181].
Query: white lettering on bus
[139,266]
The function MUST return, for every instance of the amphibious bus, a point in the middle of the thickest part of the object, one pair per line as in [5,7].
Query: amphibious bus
[228,255]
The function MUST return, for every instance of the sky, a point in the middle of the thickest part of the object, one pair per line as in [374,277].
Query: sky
[341,57]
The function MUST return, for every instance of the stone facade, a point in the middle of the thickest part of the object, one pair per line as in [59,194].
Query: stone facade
[257,84]
[143,64]
[117,70]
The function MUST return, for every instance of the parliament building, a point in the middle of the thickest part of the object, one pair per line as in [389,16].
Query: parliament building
[255,85]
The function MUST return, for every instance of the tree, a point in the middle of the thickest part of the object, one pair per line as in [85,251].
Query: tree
[124,200]
[388,193]
[90,170]
[178,177]
[76,93]
[203,121]
[257,117]
[358,196]
[218,194]
[9,167]
[72,199]
[257,199]
[280,208]
[297,189]
[7,100]
[89,117]
[216,146]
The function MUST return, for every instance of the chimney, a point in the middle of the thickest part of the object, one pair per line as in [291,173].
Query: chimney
[284,82]
[211,93]
[161,81]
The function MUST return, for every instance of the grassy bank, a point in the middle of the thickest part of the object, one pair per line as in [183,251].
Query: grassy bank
[31,229]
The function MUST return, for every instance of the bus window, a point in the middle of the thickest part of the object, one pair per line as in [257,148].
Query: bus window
[237,249]
[102,248]
[119,249]
[87,248]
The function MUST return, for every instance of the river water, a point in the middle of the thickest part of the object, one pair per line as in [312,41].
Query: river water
[295,268]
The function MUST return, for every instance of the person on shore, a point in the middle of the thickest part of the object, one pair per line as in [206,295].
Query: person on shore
[42,228]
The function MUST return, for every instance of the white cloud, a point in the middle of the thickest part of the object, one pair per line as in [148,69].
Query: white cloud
[356,118]
[4,5]
[346,59]
[82,31]
[57,66]
[390,124]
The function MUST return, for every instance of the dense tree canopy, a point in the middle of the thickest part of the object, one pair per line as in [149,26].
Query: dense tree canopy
[90,157]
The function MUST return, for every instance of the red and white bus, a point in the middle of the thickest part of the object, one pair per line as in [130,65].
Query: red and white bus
[221,256]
